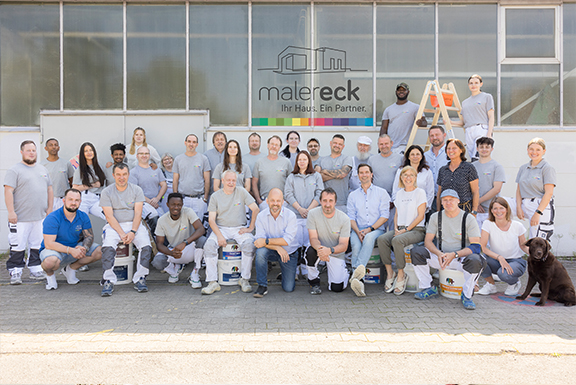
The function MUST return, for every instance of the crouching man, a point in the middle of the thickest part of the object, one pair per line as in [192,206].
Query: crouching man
[458,239]
[68,241]
[276,229]
[227,219]
[122,205]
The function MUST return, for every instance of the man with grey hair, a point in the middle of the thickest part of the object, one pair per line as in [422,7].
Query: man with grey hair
[364,146]
[270,172]
[254,141]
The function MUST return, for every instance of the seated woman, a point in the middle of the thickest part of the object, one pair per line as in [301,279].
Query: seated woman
[409,228]
[503,242]
[139,140]
[89,179]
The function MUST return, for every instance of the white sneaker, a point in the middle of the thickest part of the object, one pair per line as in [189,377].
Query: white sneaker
[70,275]
[38,275]
[488,289]
[245,285]
[15,278]
[195,282]
[358,287]
[173,278]
[211,288]
[51,283]
[513,290]
[359,272]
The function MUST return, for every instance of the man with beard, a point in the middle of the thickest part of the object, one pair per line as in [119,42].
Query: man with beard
[118,152]
[60,171]
[313,147]
[436,156]
[252,157]
[398,119]
[29,198]
[364,147]
[335,170]
[276,229]
[270,172]
[68,241]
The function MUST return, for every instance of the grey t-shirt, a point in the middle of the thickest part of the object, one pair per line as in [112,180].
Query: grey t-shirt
[488,173]
[475,109]
[60,172]
[30,184]
[401,119]
[339,185]
[122,202]
[176,231]
[251,160]
[230,208]
[191,171]
[330,230]
[148,179]
[271,174]
[303,188]
[109,175]
[384,170]
[452,230]
[241,177]
[531,180]
[77,179]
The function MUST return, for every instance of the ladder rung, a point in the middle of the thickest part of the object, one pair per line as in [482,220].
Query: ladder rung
[447,92]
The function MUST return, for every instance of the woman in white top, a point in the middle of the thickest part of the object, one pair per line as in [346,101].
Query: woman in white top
[89,178]
[233,161]
[503,242]
[139,140]
[409,229]
[414,156]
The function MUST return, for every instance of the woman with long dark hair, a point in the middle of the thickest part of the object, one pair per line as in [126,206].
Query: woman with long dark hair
[89,178]
[233,161]
[414,156]
[291,150]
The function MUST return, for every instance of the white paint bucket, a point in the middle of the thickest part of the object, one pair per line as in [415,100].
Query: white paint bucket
[375,257]
[229,271]
[412,284]
[124,269]
[373,274]
[451,283]
[407,255]
[231,251]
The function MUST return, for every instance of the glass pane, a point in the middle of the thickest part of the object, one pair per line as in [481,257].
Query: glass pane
[29,62]
[530,33]
[569,64]
[281,58]
[156,49]
[219,62]
[530,95]
[93,56]
[466,48]
[404,52]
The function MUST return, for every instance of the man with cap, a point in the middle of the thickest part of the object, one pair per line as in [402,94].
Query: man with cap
[364,146]
[398,118]
[457,247]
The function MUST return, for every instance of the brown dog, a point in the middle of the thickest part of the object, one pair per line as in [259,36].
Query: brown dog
[551,275]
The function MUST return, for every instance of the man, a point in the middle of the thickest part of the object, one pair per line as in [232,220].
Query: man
[329,231]
[335,170]
[216,154]
[398,119]
[385,164]
[118,152]
[177,233]
[364,146]
[252,157]
[436,155]
[491,177]
[227,219]
[276,229]
[68,241]
[313,147]
[153,184]
[122,205]
[60,171]
[368,209]
[455,250]
[270,172]
[29,198]
[192,177]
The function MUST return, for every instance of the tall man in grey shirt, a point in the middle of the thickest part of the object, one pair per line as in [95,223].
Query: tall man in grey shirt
[335,170]
[60,170]
[270,172]
[192,177]
[254,141]
[122,205]
[28,196]
[216,154]
[491,177]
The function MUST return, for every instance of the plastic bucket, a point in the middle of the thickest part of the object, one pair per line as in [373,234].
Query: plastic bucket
[412,284]
[124,269]
[407,255]
[229,271]
[373,274]
[448,98]
[231,251]
[375,257]
[451,283]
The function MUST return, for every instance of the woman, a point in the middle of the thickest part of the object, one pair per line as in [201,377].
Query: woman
[291,150]
[302,193]
[167,161]
[139,140]
[506,239]
[411,203]
[477,114]
[414,156]
[89,178]
[535,192]
[460,176]
[233,161]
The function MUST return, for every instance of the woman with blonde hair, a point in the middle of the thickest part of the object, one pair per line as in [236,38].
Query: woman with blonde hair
[139,140]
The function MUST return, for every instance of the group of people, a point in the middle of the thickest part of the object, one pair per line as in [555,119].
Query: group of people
[292,206]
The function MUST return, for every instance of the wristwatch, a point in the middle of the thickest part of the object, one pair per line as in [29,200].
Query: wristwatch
[474,212]
[267,241]
[332,250]
[456,256]
[132,231]
[539,212]
[186,242]
[371,228]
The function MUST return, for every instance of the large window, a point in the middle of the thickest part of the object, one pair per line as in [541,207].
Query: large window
[569,64]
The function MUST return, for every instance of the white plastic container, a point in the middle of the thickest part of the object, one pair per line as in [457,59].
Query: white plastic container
[451,283]
[124,269]
[229,271]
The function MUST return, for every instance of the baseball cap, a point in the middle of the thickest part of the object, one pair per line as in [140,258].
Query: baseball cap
[364,140]
[403,85]
[449,193]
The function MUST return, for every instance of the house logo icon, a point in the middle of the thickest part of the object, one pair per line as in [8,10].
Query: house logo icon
[300,60]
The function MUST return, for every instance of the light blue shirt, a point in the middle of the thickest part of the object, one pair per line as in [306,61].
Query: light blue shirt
[436,163]
[367,208]
[285,226]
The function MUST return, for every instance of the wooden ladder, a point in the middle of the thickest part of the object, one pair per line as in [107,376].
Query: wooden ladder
[433,90]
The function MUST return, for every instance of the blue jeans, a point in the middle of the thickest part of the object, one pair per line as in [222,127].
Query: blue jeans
[518,266]
[263,255]
[362,251]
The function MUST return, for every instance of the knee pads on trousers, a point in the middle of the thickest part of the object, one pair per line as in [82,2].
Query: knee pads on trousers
[474,263]
[311,256]
[337,287]
[419,255]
